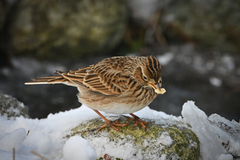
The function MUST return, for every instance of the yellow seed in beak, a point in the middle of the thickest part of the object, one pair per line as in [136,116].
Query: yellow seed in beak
[157,88]
[160,91]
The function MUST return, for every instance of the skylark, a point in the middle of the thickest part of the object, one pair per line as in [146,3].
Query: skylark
[118,85]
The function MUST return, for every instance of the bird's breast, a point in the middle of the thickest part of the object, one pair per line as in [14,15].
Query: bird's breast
[120,104]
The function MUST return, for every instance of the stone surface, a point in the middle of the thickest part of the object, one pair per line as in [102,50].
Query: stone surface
[11,107]
[171,141]
[50,29]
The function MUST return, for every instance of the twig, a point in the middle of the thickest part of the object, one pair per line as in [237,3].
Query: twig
[13,154]
[35,153]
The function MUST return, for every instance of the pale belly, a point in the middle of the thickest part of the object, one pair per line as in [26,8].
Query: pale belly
[114,104]
[117,108]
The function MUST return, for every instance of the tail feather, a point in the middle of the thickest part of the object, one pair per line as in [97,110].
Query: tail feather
[50,80]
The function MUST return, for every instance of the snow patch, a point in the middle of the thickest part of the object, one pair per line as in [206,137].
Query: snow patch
[219,137]
[215,81]
[165,139]
[13,140]
[210,135]
[77,148]
[166,58]
[225,157]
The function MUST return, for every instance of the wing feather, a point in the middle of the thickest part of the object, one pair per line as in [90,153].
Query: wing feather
[110,76]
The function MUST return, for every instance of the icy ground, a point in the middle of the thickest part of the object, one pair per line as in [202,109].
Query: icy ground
[219,137]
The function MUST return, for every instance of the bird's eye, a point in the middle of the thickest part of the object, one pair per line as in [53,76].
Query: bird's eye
[160,80]
[145,78]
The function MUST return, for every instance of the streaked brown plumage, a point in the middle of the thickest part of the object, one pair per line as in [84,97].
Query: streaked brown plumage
[119,85]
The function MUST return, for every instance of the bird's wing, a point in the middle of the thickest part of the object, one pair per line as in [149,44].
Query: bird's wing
[107,77]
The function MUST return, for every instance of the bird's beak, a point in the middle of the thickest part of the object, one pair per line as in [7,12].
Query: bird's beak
[157,88]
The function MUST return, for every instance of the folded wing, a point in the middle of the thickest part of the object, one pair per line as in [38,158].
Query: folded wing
[106,77]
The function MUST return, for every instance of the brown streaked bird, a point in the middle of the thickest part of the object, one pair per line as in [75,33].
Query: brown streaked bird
[118,85]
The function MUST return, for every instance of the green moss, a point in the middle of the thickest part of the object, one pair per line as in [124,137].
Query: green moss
[185,140]
[185,144]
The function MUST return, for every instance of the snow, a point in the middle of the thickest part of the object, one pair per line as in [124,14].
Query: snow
[165,139]
[225,157]
[13,140]
[123,151]
[228,62]
[166,58]
[78,148]
[163,157]
[219,137]
[210,134]
[211,146]
[215,81]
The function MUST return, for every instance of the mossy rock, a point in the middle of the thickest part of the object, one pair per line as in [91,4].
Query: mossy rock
[59,29]
[175,141]
[11,107]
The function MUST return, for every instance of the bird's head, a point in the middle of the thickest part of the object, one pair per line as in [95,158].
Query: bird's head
[151,74]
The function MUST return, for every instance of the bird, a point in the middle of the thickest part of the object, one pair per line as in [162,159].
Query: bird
[117,85]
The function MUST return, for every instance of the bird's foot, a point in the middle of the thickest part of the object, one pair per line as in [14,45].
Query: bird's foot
[113,125]
[138,120]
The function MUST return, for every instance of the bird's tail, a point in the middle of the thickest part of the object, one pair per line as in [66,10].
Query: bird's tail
[50,80]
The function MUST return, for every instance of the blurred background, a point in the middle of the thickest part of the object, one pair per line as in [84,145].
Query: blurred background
[197,43]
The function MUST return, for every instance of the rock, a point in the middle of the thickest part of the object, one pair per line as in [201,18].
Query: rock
[211,24]
[160,140]
[52,29]
[11,107]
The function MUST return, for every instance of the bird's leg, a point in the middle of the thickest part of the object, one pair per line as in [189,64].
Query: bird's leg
[138,120]
[114,125]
